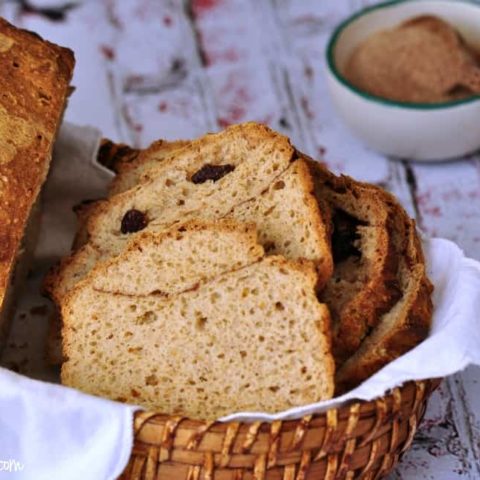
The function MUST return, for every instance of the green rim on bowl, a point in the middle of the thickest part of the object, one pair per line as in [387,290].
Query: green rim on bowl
[331,61]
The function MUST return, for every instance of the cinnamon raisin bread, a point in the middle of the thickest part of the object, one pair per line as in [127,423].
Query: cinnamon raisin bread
[214,174]
[34,88]
[254,339]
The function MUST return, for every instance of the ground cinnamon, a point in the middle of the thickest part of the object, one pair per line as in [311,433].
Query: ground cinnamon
[422,60]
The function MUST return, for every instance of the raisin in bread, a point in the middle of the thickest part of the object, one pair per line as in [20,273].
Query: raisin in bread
[35,85]
[216,173]
[254,338]
[129,165]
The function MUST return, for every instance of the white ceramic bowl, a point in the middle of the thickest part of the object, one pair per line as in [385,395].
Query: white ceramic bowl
[414,131]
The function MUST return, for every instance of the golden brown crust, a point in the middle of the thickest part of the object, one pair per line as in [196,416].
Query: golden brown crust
[34,85]
[410,318]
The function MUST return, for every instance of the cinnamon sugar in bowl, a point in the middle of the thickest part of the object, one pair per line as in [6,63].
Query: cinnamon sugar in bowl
[428,124]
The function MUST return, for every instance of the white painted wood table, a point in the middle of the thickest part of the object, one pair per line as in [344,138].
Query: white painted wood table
[149,69]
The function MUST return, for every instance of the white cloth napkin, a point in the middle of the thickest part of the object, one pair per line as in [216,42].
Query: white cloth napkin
[49,432]
[57,433]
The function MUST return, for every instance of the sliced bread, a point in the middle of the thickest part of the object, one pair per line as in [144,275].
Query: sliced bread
[168,257]
[179,259]
[151,256]
[401,328]
[263,184]
[255,339]
[286,216]
[211,176]
[364,281]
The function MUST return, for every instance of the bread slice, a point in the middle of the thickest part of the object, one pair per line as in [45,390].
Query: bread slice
[267,186]
[169,255]
[179,259]
[364,282]
[404,326]
[254,339]
[167,260]
[35,85]
[211,176]
[131,169]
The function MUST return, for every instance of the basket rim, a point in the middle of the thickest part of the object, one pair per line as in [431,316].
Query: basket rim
[366,408]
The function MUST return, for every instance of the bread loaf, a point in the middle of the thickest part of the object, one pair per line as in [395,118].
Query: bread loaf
[172,304]
[34,84]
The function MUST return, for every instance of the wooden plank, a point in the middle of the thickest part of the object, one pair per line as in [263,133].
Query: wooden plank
[85,29]
[156,72]
[245,83]
[448,198]
[438,450]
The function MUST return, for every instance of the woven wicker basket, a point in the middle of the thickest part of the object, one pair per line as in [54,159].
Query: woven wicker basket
[363,440]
